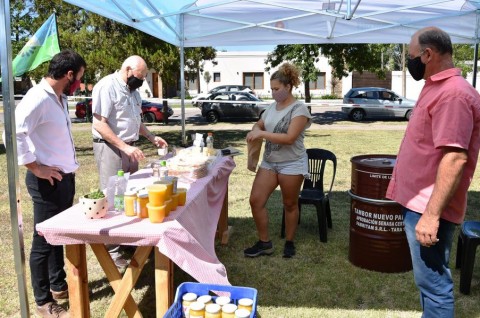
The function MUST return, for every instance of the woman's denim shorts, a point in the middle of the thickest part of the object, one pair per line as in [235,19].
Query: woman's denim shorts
[293,167]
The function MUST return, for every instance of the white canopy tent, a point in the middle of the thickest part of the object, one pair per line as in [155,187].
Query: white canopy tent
[188,23]
[253,22]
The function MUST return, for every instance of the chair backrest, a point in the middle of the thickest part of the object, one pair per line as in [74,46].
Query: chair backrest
[317,161]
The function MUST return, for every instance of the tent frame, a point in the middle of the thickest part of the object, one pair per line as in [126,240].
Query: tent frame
[172,26]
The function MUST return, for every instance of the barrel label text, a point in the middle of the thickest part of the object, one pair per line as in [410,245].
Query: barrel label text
[381,222]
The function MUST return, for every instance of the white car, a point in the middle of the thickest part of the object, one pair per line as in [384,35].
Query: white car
[368,102]
[222,88]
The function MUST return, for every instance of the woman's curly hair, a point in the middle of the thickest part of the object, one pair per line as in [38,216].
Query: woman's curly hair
[287,74]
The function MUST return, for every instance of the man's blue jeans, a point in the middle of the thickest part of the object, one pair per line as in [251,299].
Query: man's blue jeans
[430,267]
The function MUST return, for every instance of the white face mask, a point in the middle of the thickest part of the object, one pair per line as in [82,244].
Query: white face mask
[280,95]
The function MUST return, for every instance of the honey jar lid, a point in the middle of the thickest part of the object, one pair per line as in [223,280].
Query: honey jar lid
[189,296]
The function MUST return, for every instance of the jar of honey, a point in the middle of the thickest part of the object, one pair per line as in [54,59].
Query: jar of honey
[245,303]
[242,313]
[222,300]
[206,299]
[130,197]
[228,311]
[142,200]
[187,300]
[213,311]
[197,310]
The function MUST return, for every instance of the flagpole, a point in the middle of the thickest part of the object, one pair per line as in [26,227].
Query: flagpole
[16,220]
[56,26]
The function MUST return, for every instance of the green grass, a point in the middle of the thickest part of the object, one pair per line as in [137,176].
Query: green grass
[318,282]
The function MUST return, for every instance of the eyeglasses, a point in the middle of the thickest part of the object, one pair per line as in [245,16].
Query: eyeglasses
[421,53]
[143,77]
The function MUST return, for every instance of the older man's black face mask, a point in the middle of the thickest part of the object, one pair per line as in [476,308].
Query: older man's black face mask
[416,68]
[134,83]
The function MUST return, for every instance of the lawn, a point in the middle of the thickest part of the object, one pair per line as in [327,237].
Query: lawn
[318,282]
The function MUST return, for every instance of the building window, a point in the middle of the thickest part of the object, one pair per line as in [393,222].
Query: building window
[254,80]
[320,82]
[216,77]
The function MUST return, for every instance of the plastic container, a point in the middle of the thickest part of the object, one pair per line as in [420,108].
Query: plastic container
[119,191]
[163,173]
[234,292]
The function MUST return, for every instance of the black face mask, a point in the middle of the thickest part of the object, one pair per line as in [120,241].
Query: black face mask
[134,83]
[416,68]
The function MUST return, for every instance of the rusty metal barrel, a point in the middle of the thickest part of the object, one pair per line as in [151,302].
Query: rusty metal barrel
[377,237]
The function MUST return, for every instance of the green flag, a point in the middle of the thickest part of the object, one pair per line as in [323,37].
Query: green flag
[40,48]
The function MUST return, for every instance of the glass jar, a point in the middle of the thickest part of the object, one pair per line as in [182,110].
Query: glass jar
[142,200]
[222,300]
[130,197]
[187,300]
[213,311]
[228,311]
[242,313]
[245,303]
[197,310]
[206,299]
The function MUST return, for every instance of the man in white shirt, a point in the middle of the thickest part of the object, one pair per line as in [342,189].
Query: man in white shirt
[45,147]
[116,109]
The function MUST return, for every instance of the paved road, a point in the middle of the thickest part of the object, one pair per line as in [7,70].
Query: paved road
[325,116]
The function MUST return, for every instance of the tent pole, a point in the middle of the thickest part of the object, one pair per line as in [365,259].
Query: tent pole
[182,78]
[475,61]
[16,220]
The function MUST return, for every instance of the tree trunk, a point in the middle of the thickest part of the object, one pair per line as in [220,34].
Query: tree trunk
[308,98]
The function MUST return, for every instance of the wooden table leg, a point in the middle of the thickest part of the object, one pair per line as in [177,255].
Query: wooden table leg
[129,280]
[114,277]
[223,230]
[77,278]
[163,283]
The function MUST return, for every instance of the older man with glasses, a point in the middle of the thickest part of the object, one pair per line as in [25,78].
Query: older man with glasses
[117,124]
[435,166]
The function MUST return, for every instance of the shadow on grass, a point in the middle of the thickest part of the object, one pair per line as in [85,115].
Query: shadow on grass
[319,276]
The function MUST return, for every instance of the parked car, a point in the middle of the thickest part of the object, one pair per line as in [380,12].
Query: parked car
[222,88]
[151,112]
[234,106]
[368,102]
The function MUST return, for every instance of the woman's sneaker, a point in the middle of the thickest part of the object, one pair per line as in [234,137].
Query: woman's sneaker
[289,249]
[260,248]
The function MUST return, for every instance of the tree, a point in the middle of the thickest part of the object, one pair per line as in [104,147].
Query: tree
[103,43]
[343,58]
[303,56]
[463,57]
[207,77]
[195,60]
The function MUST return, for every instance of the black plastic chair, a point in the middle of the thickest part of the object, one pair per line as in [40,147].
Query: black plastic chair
[313,192]
[468,241]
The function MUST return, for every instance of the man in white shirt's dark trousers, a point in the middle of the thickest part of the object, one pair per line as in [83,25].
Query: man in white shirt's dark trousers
[45,147]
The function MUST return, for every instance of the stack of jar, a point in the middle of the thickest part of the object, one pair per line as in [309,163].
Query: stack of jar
[204,307]
[157,200]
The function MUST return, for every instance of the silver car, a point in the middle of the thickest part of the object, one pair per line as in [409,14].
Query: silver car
[370,102]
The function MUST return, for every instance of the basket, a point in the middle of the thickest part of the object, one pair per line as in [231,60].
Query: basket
[235,293]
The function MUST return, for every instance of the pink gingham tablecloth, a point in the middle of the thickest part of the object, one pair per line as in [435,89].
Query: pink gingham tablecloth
[186,236]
